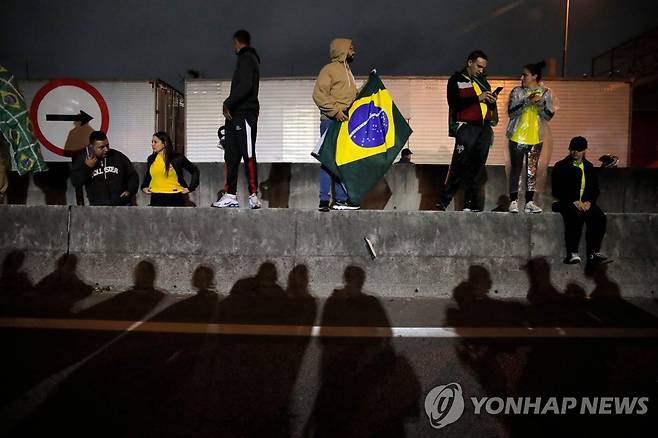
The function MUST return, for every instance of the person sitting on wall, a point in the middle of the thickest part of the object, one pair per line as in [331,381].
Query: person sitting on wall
[108,175]
[576,187]
[164,179]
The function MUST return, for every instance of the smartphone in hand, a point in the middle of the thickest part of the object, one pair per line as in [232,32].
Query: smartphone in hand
[498,90]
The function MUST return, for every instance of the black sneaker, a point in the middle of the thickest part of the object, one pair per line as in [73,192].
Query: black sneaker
[345,205]
[598,258]
[440,207]
[471,207]
[324,206]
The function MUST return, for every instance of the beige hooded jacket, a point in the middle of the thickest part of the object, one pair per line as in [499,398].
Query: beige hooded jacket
[335,87]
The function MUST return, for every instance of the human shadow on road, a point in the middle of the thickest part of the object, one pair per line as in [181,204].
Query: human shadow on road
[367,388]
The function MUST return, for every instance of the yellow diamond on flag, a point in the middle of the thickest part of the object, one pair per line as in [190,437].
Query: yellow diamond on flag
[369,131]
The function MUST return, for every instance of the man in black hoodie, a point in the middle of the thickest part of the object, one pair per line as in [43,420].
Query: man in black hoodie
[241,113]
[108,175]
[576,187]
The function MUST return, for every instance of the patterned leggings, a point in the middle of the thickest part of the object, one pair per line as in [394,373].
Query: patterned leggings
[517,153]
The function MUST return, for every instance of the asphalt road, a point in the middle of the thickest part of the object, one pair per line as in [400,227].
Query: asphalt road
[264,361]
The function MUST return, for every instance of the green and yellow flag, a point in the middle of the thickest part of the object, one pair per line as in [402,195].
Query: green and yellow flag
[361,150]
[16,128]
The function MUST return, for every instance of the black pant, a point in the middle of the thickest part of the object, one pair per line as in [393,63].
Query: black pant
[240,145]
[167,200]
[594,219]
[467,166]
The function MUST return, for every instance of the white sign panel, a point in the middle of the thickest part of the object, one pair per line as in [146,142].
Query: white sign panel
[64,112]
[130,113]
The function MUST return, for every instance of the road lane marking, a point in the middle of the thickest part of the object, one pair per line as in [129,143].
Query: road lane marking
[328,331]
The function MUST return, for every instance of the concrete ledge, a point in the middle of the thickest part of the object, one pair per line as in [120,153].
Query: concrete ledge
[418,253]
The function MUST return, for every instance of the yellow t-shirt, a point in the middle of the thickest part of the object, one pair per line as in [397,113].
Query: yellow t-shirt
[527,129]
[582,180]
[483,106]
[160,181]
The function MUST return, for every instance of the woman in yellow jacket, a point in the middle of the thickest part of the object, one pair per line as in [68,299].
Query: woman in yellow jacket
[164,179]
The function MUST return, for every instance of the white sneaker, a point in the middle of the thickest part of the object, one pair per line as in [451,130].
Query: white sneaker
[572,259]
[254,203]
[227,201]
[513,207]
[531,207]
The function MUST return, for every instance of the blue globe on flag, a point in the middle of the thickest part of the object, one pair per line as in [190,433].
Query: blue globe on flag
[368,126]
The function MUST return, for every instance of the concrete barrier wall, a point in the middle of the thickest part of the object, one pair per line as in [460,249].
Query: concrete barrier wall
[32,238]
[405,187]
[418,253]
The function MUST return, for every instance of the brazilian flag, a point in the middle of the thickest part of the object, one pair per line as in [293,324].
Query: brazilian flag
[16,128]
[360,150]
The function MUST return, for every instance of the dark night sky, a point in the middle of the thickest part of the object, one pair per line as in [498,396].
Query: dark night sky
[162,39]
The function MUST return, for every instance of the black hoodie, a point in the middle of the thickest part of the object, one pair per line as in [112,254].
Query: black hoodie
[566,179]
[111,176]
[244,85]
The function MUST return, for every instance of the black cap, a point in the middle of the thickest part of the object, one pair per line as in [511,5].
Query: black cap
[406,151]
[578,144]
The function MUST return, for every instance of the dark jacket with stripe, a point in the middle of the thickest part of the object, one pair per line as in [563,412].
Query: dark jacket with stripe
[566,179]
[244,85]
[178,162]
[463,102]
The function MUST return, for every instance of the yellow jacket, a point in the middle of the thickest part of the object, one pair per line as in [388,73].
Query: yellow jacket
[335,87]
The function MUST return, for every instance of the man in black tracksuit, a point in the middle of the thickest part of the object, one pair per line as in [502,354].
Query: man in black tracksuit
[241,113]
[576,187]
[472,113]
[108,175]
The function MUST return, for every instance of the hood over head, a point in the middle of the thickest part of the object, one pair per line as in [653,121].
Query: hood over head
[338,49]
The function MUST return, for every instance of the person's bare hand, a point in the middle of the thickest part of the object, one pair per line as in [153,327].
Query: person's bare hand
[487,97]
[146,190]
[586,205]
[341,117]
[185,190]
[91,161]
[534,98]
[579,205]
[227,113]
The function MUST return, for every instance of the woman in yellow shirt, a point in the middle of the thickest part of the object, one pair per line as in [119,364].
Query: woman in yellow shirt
[164,179]
[530,107]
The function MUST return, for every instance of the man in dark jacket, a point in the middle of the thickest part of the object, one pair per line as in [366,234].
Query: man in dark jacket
[472,113]
[108,175]
[241,113]
[576,188]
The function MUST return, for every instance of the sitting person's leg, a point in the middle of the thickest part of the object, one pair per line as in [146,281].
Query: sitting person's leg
[596,222]
[573,228]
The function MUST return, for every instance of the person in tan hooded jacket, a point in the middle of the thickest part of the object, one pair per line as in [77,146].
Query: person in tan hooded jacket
[335,87]
[335,91]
